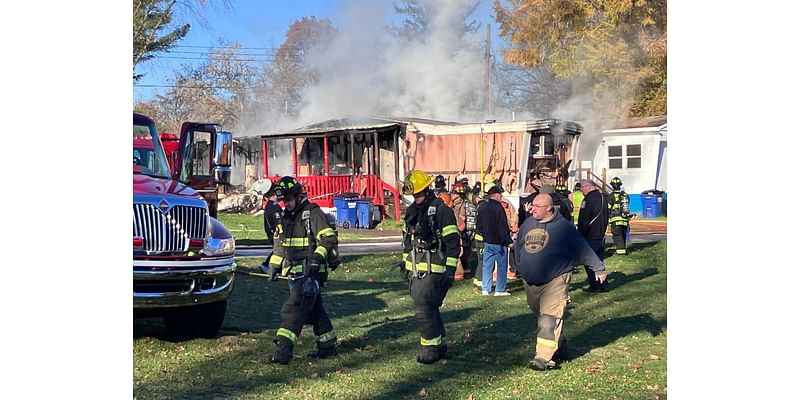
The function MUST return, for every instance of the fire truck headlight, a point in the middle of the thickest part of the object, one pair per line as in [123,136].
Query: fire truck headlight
[219,247]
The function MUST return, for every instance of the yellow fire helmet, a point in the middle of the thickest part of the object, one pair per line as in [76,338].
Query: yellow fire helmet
[416,182]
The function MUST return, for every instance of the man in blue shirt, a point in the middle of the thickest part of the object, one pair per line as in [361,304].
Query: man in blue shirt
[546,249]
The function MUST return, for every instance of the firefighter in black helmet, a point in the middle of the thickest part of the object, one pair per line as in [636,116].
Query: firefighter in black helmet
[439,185]
[305,248]
[619,215]
[430,254]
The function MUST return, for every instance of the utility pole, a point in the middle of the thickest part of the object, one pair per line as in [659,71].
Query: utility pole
[487,89]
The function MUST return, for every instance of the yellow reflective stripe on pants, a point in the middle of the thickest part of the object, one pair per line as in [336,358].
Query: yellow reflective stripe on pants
[437,341]
[452,261]
[276,259]
[423,266]
[449,230]
[478,236]
[326,337]
[546,342]
[288,334]
[321,251]
[295,242]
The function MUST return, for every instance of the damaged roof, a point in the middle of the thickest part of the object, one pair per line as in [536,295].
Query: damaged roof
[435,127]
[643,122]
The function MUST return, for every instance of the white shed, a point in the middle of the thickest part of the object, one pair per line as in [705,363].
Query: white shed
[636,152]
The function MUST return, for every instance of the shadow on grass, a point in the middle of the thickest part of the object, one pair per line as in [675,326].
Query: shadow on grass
[606,332]
[342,298]
[615,279]
[376,345]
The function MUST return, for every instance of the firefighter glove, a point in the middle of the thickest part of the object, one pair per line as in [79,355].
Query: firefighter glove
[315,261]
[333,259]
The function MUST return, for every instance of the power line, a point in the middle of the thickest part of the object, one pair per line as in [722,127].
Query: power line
[229,47]
[231,59]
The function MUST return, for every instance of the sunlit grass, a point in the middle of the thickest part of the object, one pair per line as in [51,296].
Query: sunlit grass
[618,341]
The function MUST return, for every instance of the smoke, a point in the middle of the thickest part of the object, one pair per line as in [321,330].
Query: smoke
[367,71]
[595,112]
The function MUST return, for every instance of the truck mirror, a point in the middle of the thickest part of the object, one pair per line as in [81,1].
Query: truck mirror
[222,157]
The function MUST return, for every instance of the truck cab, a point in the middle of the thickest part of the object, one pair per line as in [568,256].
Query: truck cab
[183,258]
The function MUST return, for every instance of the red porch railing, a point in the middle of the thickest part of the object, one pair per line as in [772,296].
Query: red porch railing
[372,186]
[322,189]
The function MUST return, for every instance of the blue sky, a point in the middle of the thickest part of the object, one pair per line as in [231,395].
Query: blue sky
[260,24]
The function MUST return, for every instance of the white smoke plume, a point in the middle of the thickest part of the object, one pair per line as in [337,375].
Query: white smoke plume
[367,71]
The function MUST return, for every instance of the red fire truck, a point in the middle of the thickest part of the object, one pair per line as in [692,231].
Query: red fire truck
[183,264]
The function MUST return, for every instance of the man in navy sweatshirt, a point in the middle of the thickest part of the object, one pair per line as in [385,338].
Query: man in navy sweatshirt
[592,224]
[546,249]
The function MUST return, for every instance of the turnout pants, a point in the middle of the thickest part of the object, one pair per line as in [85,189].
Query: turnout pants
[478,275]
[299,310]
[428,293]
[548,302]
[463,258]
[619,233]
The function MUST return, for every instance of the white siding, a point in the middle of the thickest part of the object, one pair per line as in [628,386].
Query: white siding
[635,180]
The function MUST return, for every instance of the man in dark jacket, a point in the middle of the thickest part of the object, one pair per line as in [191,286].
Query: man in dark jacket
[592,224]
[272,216]
[493,226]
[545,250]
[305,247]
[430,254]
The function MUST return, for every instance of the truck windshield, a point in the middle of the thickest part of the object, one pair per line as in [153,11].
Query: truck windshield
[148,154]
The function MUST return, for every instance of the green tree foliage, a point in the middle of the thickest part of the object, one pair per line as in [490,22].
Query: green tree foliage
[154,30]
[617,46]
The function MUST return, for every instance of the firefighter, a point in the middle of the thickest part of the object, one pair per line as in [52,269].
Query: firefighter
[512,217]
[619,212]
[466,214]
[477,244]
[577,198]
[440,190]
[430,254]
[305,248]
[563,203]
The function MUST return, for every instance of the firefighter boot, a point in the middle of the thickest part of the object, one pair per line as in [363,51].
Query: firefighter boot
[284,352]
[324,349]
[431,354]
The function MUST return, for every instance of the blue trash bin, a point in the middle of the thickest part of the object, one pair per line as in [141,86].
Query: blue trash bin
[364,213]
[651,203]
[345,212]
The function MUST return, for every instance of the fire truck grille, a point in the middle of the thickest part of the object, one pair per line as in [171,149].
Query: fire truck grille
[168,232]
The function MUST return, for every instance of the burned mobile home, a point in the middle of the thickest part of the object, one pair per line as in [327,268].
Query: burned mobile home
[370,156]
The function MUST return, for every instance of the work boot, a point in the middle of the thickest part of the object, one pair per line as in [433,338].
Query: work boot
[284,352]
[539,364]
[324,349]
[431,354]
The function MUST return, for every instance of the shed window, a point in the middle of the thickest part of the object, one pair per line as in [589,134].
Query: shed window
[632,156]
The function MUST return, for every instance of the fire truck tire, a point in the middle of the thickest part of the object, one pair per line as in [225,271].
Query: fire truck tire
[202,321]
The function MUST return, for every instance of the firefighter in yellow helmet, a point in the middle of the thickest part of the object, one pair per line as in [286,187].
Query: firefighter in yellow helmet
[305,248]
[430,254]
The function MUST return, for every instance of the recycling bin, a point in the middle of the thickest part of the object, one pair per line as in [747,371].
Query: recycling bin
[345,212]
[651,203]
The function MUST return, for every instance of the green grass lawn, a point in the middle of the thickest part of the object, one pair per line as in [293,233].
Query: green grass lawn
[618,341]
[249,229]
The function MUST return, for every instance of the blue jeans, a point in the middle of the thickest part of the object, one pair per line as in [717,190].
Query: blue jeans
[494,253]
